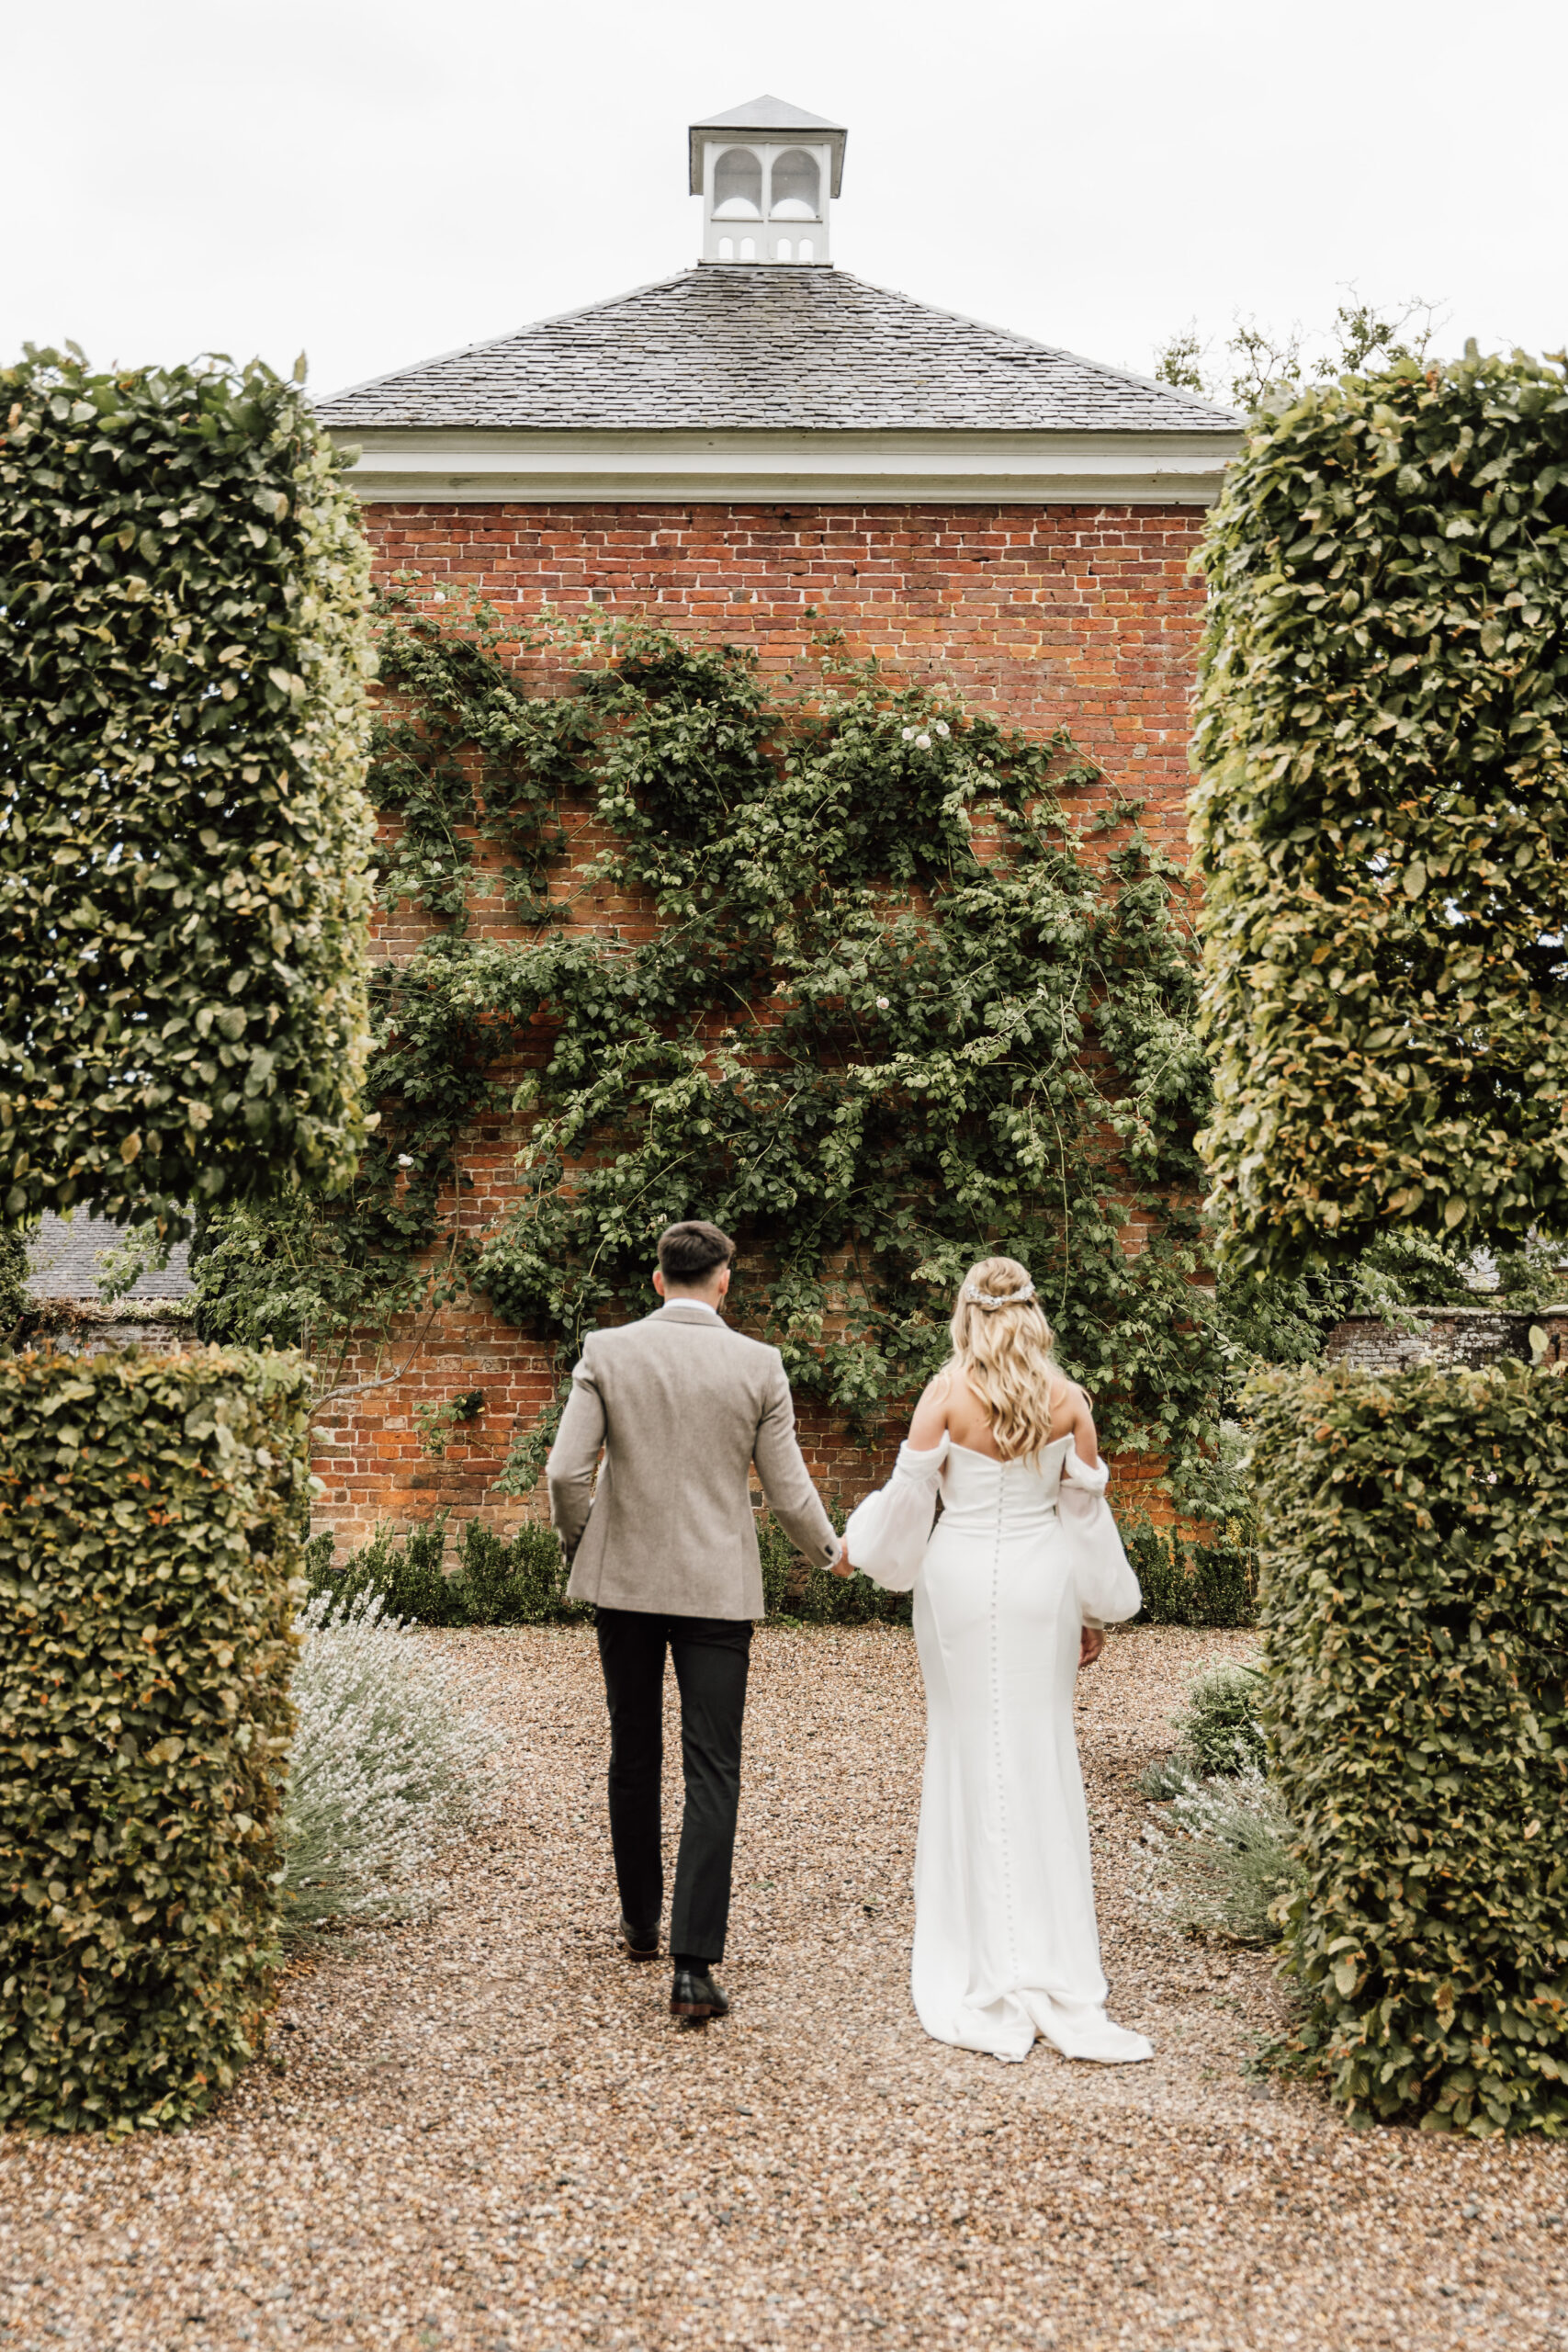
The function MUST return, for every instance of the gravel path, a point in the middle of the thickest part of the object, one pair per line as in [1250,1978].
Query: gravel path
[489,2134]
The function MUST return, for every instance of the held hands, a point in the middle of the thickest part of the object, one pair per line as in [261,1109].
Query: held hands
[843,1565]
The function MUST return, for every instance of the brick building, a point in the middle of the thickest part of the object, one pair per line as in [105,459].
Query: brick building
[756,447]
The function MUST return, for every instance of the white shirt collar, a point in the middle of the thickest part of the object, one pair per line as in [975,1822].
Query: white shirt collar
[700,1303]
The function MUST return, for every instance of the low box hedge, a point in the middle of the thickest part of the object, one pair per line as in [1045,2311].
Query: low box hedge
[151,1513]
[1185,1581]
[1414,1597]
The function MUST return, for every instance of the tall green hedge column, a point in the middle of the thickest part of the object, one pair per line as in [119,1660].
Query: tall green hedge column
[1382,819]
[152,1519]
[183,836]
[1415,1601]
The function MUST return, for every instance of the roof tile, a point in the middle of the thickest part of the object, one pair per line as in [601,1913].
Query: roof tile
[727,346]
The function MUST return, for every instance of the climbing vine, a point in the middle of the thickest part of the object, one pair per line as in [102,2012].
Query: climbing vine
[845,973]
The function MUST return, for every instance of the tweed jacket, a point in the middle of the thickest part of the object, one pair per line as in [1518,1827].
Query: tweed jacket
[681,1405]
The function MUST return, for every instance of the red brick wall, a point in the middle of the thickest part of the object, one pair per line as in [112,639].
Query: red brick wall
[1078,617]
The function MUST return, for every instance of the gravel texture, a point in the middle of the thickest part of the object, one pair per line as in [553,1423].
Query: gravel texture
[485,2131]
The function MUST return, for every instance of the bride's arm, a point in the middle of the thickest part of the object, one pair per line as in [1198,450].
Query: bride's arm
[1085,1443]
[929,1426]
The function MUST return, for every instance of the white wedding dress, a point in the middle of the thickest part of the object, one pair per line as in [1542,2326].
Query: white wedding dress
[1024,1555]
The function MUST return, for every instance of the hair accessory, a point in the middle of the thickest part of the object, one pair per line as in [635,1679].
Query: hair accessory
[993,1298]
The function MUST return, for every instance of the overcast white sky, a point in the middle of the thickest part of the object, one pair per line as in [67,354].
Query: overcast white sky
[374,184]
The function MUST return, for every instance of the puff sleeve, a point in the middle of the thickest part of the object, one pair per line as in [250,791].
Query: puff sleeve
[1107,1588]
[887,1534]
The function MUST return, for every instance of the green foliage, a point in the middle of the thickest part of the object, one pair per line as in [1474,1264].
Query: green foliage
[1218,1730]
[437,1422]
[465,755]
[1408,1268]
[1264,365]
[183,826]
[520,1579]
[780,1565]
[495,1581]
[14,1299]
[1186,1582]
[516,1580]
[151,1514]
[1382,820]
[1415,1604]
[410,1579]
[866,1050]
[1179,361]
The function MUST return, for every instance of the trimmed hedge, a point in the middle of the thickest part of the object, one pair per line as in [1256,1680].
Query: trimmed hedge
[151,1513]
[1185,1582]
[184,833]
[518,1579]
[521,1579]
[1381,825]
[1414,1605]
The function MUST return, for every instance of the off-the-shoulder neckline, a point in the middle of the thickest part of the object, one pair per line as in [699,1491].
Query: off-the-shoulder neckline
[996,1458]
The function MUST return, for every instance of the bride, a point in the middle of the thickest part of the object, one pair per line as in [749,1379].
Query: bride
[1011,1590]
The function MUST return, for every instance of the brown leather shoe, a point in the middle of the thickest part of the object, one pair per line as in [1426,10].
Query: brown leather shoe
[638,1943]
[694,1998]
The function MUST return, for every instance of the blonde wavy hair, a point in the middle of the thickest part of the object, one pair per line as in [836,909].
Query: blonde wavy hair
[1001,1344]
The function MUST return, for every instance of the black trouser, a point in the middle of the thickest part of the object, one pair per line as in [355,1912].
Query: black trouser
[711,1656]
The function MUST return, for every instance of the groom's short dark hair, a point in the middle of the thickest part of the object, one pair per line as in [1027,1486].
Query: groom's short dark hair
[689,1252]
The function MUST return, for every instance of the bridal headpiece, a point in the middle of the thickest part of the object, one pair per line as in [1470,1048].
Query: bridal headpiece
[978,1297]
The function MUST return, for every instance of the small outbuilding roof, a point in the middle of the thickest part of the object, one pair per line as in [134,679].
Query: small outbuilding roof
[768,117]
[64,1261]
[732,348]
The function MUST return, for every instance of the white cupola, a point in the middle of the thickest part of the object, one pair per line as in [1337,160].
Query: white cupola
[767,173]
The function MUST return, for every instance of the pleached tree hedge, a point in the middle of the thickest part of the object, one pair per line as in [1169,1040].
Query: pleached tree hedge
[184,834]
[1415,1601]
[153,1517]
[1382,824]
[1382,831]
[184,911]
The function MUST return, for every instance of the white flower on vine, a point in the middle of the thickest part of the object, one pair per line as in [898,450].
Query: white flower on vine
[404,1161]
[883,1002]
[943,728]
[909,734]
[922,743]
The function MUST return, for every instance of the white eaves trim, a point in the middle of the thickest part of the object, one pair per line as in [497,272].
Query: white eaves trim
[420,466]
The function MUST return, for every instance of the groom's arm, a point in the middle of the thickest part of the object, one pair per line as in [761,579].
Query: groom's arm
[574,1457]
[786,1481]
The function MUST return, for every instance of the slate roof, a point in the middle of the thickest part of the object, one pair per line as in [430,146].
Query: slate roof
[62,1260]
[729,346]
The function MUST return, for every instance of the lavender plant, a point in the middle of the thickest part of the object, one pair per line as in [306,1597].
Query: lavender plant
[1223,1856]
[388,1767]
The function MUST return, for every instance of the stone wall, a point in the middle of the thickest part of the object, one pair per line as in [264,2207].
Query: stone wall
[85,1327]
[1085,617]
[1457,1335]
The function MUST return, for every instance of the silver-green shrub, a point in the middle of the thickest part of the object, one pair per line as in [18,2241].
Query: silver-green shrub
[1217,1731]
[388,1767]
[1223,1856]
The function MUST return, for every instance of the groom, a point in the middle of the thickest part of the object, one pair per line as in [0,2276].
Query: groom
[666,1545]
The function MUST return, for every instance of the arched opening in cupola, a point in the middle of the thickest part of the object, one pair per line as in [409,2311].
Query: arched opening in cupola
[738,186]
[797,186]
